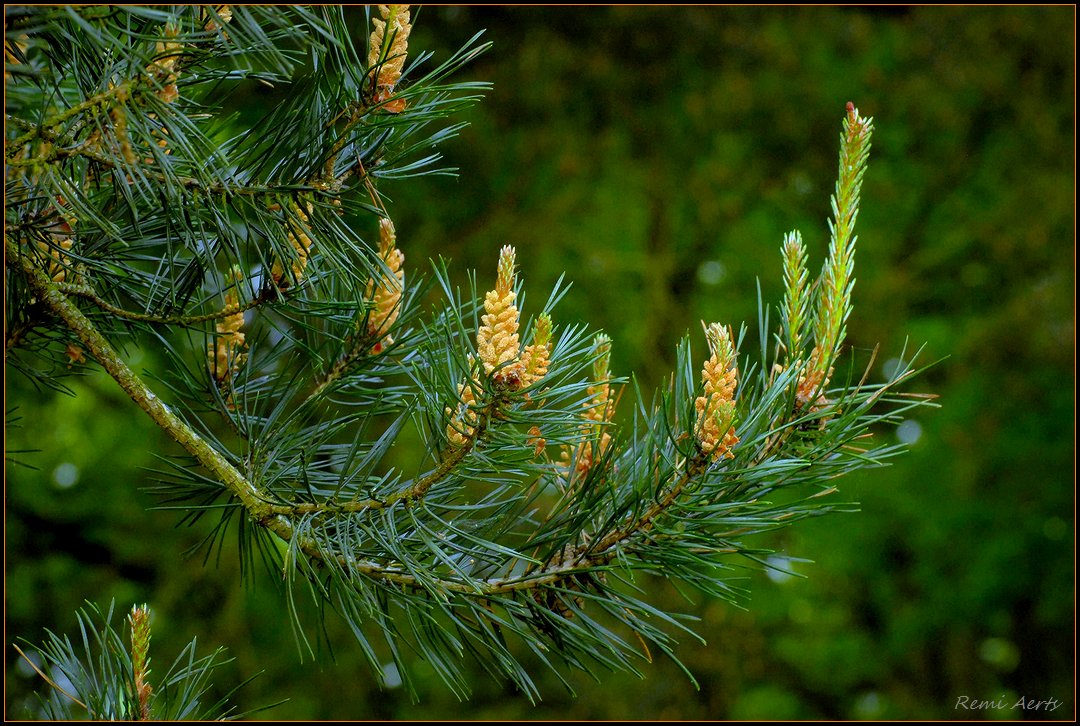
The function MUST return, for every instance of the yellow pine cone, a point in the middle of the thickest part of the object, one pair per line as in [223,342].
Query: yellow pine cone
[139,620]
[716,408]
[463,421]
[583,455]
[163,139]
[301,242]
[119,120]
[536,440]
[537,356]
[165,64]
[226,354]
[224,12]
[75,354]
[599,410]
[497,339]
[385,296]
[58,265]
[599,406]
[395,23]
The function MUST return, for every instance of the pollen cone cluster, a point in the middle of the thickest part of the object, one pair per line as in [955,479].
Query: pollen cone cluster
[223,12]
[497,339]
[301,243]
[165,69]
[226,352]
[537,356]
[392,26]
[716,408]
[58,261]
[165,66]
[462,426]
[500,354]
[385,294]
[599,410]
[162,134]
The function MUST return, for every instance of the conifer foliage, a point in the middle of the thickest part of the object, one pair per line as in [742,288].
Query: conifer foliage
[258,258]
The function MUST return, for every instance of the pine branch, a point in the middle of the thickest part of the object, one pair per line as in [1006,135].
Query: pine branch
[87,293]
[48,125]
[97,346]
[260,510]
[410,495]
[143,195]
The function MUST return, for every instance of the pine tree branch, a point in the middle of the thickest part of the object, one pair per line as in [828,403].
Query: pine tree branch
[261,511]
[52,297]
[59,150]
[482,589]
[605,550]
[411,494]
[48,124]
[85,151]
[276,518]
[409,544]
[87,293]
[582,559]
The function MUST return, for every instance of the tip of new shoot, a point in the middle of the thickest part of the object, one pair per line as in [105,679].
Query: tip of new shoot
[505,281]
[719,339]
[602,350]
[542,332]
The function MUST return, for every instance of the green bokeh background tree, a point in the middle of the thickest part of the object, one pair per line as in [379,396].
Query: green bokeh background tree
[658,156]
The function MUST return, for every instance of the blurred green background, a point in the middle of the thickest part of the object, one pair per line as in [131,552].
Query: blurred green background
[658,156]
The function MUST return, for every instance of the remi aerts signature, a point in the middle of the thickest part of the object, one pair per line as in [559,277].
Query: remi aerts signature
[1023,703]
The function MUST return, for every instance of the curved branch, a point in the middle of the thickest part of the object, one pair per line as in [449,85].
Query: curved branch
[582,559]
[86,293]
[51,296]
[604,549]
[477,588]
[410,495]
[261,511]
